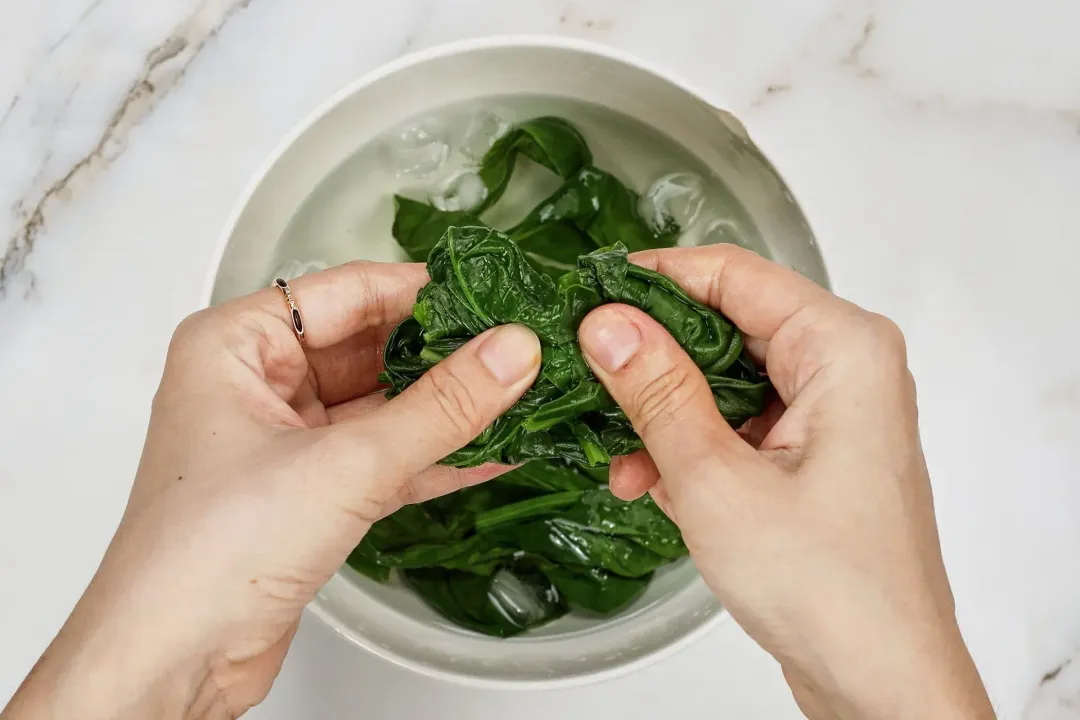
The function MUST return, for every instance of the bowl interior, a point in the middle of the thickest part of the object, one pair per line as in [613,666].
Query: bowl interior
[387,618]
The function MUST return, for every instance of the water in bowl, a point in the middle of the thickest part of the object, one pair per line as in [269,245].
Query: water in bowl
[433,157]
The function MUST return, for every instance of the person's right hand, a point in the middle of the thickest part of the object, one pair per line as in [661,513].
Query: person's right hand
[816,527]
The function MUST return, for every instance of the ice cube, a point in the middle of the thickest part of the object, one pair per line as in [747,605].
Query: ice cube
[464,190]
[292,268]
[678,196]
[482,130]
[417,150]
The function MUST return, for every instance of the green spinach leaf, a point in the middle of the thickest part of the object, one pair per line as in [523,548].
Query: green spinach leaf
[593,590]
[592,209]
[549,141]
[568,543]
[480,279]
[503,604]
[551,476]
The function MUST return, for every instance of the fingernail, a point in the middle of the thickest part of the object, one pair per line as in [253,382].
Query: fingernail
[510,353]
[608,337]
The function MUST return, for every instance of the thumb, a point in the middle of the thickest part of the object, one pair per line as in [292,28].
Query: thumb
[445,409]
[660,389]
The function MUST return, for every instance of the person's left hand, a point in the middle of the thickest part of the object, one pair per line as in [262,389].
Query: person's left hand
[263,467]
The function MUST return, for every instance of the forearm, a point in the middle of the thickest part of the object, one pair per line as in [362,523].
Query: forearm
[114,670]
[935,679]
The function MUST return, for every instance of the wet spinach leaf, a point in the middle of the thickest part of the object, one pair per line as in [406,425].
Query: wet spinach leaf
[548,141]
[480,279]
[503,604]
[364,560]
[570,544]
[593,590]
[581,548]
[592,209]
[552,476]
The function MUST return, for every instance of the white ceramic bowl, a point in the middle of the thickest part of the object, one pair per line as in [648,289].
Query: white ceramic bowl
[388,620]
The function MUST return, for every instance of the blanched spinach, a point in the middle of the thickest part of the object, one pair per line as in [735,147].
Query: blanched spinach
[523,563]
[593,590]
[548,536]
[480,279]
[591,210]
[502,604]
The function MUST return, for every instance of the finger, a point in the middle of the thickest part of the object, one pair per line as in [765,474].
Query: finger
[432,482]
[439,480]
[350,368]
[756,294]
[632,476]
[445,409]
[355,408]
[756,429]
[801,327]
[659,494]
[663,393]
[758,348]
[308,406]
[342,301]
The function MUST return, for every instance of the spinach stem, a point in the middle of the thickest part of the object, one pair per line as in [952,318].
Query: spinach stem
[532,507]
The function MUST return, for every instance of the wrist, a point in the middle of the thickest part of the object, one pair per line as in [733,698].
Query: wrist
[938,682]
[99,668]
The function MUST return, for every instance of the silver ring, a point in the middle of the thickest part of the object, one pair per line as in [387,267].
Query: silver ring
[294,310]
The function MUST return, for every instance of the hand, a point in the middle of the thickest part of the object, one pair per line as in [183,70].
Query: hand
[263,468]
[821,541]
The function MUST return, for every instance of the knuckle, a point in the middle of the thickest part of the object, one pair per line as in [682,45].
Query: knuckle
[879,343]
[659,399]
[456,403]
[372,307]
[191,328]
[888,335]
[188,345]
[911,387]
[876,351]
[409,492]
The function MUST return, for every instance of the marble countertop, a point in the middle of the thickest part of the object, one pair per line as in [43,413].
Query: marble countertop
[934,144]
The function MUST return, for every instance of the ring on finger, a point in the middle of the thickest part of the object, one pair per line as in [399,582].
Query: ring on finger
[294,310]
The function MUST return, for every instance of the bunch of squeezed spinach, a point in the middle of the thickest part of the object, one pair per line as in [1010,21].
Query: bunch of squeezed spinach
[547,537]
[480,279]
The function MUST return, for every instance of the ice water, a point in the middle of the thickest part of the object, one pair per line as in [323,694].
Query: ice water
[434,157]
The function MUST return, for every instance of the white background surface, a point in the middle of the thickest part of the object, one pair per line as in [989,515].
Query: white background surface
[934,144]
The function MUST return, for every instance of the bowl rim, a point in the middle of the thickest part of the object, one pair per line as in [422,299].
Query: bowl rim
[465,679]
[502,41]
[400,63]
